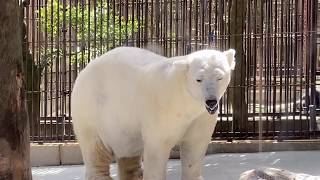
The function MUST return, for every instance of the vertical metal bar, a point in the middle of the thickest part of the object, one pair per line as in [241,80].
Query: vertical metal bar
[243,39]
[94,28]
[295,62]
[76,48]
[126,21]
[120,25]
[292,60]
[302,63]
[45,70]
[202,22]
[216,23]
[26,13]
[161,25]
[287,68]
[281,66]
[249,59]
[184,26]
[270,69]
[225,27]
[142,20]
[38,76]
[165,27]
[275,38]
[171,29]
[101,18]
[261,67]
[151,22]
[222,24]
[307,62]
[157,20]
[177,27]
[57,67]
[83,50]
[76,39]
[227,115]
[291,67]
[132,22]
[196,33]
[51,70]
[313,56]
[254,65]
[146,22]
[260,63]
[32,130]
[247,52]
[68,92]
[266,62]
[190,27]
[63,72]
[210,34]
[224,34]
[139,24]
[269,111]
[108,25]
[218,12]
[216,41]
[89,32]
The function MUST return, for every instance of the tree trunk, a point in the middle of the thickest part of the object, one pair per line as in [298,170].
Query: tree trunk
[14,126]
[238,94]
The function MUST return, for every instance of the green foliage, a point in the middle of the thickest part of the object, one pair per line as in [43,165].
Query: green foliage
[87,23]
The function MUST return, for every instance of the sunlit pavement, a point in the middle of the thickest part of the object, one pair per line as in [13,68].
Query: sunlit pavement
[218,166]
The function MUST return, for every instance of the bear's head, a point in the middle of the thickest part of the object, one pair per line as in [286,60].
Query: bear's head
[208,74]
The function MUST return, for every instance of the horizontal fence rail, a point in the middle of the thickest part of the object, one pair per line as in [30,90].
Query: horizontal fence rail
[274,90]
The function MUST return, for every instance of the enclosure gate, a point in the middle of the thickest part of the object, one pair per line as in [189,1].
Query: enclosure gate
[275,81]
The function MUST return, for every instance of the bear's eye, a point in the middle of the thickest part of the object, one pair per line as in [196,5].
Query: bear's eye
[199,80]
[220,78]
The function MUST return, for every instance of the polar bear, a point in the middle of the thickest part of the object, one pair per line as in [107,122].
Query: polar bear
[132,104]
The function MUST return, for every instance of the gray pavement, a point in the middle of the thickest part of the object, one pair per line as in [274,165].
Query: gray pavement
[217,166]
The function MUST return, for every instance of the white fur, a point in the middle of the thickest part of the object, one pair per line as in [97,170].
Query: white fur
[140,103]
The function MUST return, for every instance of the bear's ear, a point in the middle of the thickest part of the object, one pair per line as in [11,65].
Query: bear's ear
[230,57]
[181,65]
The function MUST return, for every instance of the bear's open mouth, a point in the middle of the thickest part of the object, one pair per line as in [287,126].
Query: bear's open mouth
[212,110]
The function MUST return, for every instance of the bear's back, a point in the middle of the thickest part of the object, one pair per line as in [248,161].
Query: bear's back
[131,56]
[120,68]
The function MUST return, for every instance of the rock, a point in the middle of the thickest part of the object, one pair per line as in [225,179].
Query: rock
[275,174]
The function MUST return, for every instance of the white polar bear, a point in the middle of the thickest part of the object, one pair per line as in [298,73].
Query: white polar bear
[131,102]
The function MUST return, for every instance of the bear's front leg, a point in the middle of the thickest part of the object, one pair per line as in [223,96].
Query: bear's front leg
[194,145]
[155,157]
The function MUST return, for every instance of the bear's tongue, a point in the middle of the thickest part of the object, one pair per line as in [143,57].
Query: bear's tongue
[212,110]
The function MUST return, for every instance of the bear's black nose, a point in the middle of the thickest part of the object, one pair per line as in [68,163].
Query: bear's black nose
[211,103]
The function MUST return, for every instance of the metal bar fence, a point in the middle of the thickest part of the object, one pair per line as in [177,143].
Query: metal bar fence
[279,52]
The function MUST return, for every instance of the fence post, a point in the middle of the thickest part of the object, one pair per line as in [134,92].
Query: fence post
[313,55]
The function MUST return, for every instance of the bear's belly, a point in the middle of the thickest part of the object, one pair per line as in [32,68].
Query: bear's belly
[125,135]
[120,133]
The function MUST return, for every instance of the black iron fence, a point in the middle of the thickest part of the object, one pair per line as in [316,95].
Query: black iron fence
[273,92]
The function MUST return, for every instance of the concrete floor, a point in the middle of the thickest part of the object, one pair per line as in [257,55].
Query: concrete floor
[217,166]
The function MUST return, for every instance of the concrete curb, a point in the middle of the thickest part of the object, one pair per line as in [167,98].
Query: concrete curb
[55,154]
[70,154]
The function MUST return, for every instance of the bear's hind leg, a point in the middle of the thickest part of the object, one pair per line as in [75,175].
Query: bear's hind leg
[97,158]
[130,168]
